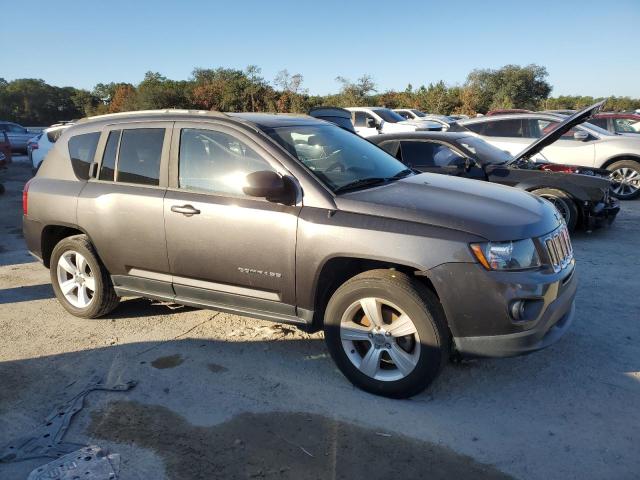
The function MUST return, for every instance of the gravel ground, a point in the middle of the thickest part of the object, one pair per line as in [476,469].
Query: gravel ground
[233,397]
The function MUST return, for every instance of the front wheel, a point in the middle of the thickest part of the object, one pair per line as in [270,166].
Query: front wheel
[387,333]
[80,281]
[625,179]
[564,204]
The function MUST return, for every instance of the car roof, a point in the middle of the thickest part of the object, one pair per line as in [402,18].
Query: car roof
[617,115]
[443,136]
[511,116]
[254,119]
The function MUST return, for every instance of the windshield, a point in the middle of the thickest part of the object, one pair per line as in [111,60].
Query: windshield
[338,158]
[419,113]
[483,151]
[388,115]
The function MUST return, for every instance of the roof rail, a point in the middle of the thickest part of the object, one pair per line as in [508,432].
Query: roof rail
[166,111]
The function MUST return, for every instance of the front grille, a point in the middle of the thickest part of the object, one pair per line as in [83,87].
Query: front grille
[559,249]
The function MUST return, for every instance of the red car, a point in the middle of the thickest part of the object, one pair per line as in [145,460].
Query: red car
[5,147]
[505,111]
[616,122]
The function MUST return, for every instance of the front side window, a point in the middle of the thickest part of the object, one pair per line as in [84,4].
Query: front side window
[216,162]
[507,128]
[623,125]
[404,115]
[429,154]
[388,115]
[16,128]
[82,149]
[339,159]
[108,166]
[360,119]
[140,155]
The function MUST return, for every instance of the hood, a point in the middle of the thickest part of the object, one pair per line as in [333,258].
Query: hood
[338,116]
[570,122]
[491,211]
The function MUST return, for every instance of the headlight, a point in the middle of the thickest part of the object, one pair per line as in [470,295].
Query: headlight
[517,255]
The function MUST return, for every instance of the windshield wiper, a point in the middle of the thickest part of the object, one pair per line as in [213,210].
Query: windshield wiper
[402,173]
[361,183]
[370,181]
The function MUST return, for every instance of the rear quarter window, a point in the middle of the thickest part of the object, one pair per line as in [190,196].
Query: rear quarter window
[82,149]
[54,135]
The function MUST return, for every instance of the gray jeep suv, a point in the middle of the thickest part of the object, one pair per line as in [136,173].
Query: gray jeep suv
[295,220]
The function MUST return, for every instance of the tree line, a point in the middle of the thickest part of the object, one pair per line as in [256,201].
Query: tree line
[33,102]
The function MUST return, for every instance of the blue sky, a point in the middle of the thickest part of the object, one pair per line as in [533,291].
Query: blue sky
[588,47]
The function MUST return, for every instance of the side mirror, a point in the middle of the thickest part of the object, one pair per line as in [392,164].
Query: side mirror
[265,183]
[580,135]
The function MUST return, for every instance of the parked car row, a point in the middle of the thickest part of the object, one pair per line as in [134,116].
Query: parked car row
[296,220]
[39,146]
[584,148]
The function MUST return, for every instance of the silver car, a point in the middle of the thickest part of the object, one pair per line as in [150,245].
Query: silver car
[585,145]
[18,135]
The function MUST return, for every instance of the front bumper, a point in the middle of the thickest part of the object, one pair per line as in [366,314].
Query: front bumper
[602,213]
[477,305]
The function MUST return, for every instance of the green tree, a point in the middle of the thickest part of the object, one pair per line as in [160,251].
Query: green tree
[511,86]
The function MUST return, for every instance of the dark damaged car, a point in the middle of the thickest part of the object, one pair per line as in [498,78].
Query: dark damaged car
[581,194]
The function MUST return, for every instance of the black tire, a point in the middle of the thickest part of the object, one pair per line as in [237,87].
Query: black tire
[424,310]
[563,202]
[628,192]
[104,298]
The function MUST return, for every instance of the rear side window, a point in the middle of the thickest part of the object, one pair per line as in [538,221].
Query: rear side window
[108,167]
[599,122]
[82,149]
[140,154]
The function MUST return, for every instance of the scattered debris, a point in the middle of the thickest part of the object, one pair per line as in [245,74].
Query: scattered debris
[169,305]
[90,463]
[46,440]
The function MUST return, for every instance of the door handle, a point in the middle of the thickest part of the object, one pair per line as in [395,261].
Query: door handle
[185,209]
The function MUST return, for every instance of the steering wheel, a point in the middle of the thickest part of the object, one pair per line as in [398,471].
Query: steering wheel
[335,166]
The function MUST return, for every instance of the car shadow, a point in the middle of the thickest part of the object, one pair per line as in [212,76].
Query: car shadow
[26,294]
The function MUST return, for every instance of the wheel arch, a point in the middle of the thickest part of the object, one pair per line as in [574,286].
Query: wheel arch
[617,158]
[337,270]
[53,234]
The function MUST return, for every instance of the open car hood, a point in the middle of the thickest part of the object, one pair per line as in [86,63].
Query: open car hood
[339,116]
[570,122]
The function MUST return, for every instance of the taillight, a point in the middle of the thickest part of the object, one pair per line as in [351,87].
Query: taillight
[25,197]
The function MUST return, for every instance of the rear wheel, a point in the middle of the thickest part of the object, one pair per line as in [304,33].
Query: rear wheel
[387,333]
[79,279]
[564,204]
[625,179]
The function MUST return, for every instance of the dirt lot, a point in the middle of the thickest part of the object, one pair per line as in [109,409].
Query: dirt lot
[222,396]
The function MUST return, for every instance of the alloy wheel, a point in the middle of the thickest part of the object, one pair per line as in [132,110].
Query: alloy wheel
[560,205]
[75,278]
[625,181]
[380,339]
